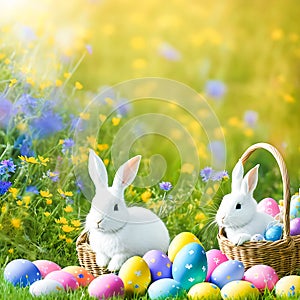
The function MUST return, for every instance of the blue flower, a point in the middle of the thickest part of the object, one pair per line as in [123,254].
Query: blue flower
[218,176]
[28,105]
[165,186]
[9,165]
[54,176]
[32,189]
[215,89]
[67,144]
[24,144]
[250,118]
[47,124]
[6,111]
[206,173]
[4,186]
[169,52]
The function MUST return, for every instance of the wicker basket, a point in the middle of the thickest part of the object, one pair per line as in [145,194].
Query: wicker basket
[86,256]
[283,255]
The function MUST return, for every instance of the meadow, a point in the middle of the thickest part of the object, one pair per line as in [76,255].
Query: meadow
[188,85]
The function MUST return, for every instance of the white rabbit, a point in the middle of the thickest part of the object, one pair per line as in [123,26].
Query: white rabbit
[238,213]
[117,232]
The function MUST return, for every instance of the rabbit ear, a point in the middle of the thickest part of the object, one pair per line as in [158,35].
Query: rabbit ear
[125,175]
[250,181]
[237,176]
[97,171]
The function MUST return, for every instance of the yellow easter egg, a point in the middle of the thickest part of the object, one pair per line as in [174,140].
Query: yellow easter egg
[239,289]
[288,286]
[204,290]
[179,242]
[135,275]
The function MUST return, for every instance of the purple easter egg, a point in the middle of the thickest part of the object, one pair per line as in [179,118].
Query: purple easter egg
[295,226]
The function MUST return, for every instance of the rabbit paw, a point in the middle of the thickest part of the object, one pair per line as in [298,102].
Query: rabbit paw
[102,260]
[116,262]
[241,239]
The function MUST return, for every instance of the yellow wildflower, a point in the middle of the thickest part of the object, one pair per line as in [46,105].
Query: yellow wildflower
[76,223]
[67,75]
[187,168]
[12,82]
[68,209]
[2,55]
[288,98]
[47,214]
[45,194]
[277,34]
[109,101]
[78,85]
[14,192]
[26,200]
[106,161]
[61,236]
[30,81]
[15,222]
[7,61]
[91,140]
[200,216]
[102,147]
[58,82]
[43,160]
[115,121]
[139,63]
[84,116]
[1,226]
[102,118]
[61,220]
[248,132]
[49,201]
[11,250]
[146,196]
[69,241]
[31,159]
[65,194]
[19,202]
[138,42]
[67,228]
[4,209]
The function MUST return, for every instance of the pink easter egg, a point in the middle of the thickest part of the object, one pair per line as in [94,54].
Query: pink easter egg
[46,266]
[67,280]
[268,206]
[262,277]
[295,226]
[83,277]
[214,258]
[106,286]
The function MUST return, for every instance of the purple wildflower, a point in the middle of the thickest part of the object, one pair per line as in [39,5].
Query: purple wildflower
[169,52]
[32,189]
[6,111]
[67,144]
[206,173]
[250,117]
[215,89]
[89,49]
[24,144]
[165,186]
[28,105]
[46,125]
[4,186]
[9,165]
[218,176]
[54,176]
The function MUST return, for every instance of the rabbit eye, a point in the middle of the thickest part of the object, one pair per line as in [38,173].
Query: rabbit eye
[238,206]
[116,207]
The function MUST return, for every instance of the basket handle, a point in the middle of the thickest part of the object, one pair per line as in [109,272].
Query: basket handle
[284,176]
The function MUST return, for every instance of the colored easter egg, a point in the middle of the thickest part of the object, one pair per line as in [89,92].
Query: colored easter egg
[165,288]
[46,266]
[262,276]
[226,272]
[257,237]
[179,242]
[295,207]
[274,233]
[45,287]
[268,206]
[82,276]
[204,290]
[21,272]
[295,226]
[159,264]
[190,265]
[239,289]
[214,258]
[67,280]
[136,275]
[106,286]
[288,286]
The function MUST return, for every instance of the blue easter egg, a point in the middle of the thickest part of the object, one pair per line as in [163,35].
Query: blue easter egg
[21,272]
[295,207]
[165,288]
[273,233]
[226,272]
[190,265]
[159,264]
